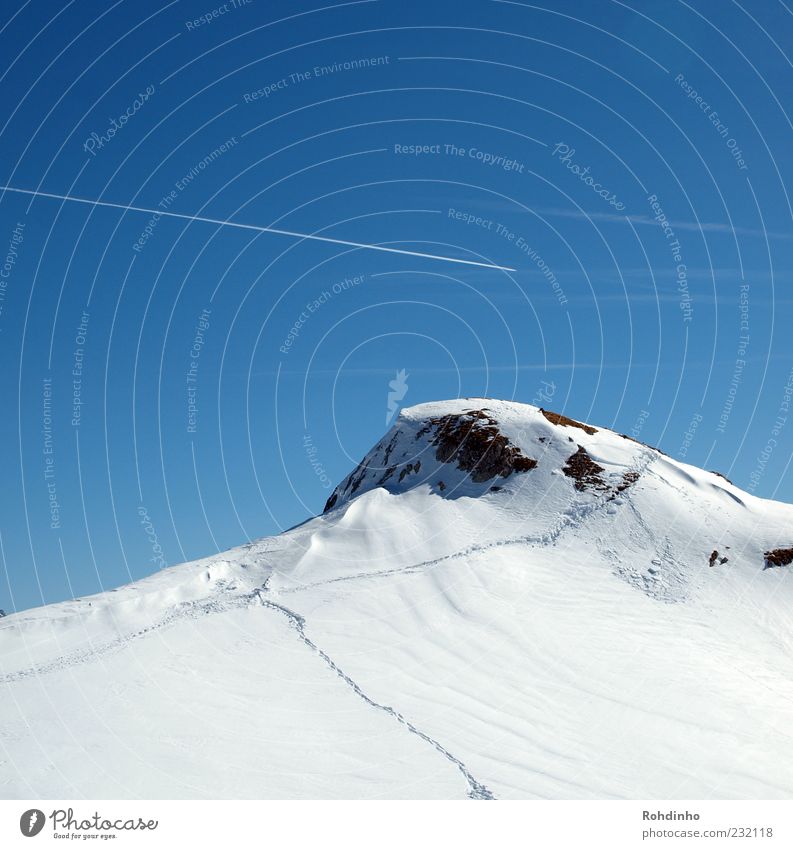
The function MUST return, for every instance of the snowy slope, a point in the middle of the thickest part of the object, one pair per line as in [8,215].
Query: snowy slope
[497,602]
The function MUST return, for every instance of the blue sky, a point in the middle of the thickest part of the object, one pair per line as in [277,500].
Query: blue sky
[630,160]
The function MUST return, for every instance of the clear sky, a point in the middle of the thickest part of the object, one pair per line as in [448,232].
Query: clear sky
[175,387]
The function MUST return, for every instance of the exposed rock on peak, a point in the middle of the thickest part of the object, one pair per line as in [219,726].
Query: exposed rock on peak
[586,473]
[469,440]
[778,557]
[559,419]
[474,442]
[464,447]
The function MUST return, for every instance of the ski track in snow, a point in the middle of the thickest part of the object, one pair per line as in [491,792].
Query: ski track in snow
[196,609]
[477,790]
[616,520]
[185,610]
[573,518]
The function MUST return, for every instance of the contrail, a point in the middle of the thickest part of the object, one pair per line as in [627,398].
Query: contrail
[256,227]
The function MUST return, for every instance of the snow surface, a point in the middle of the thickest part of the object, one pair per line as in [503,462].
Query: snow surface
[419,641]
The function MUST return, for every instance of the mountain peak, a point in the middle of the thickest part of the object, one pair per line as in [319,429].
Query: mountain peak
[470,446]
[486,559]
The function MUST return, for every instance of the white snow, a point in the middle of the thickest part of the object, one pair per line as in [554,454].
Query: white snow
[530,642]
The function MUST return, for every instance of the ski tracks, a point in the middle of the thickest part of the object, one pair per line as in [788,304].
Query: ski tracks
[476,790]
[186,610]
[572,518]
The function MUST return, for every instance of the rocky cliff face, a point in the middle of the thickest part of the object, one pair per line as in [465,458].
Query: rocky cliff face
[457,444]
[470,441]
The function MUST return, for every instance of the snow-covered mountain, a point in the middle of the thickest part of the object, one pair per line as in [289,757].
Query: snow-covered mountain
[498,602]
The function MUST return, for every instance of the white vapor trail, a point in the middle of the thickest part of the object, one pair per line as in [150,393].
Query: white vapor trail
[256,227]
